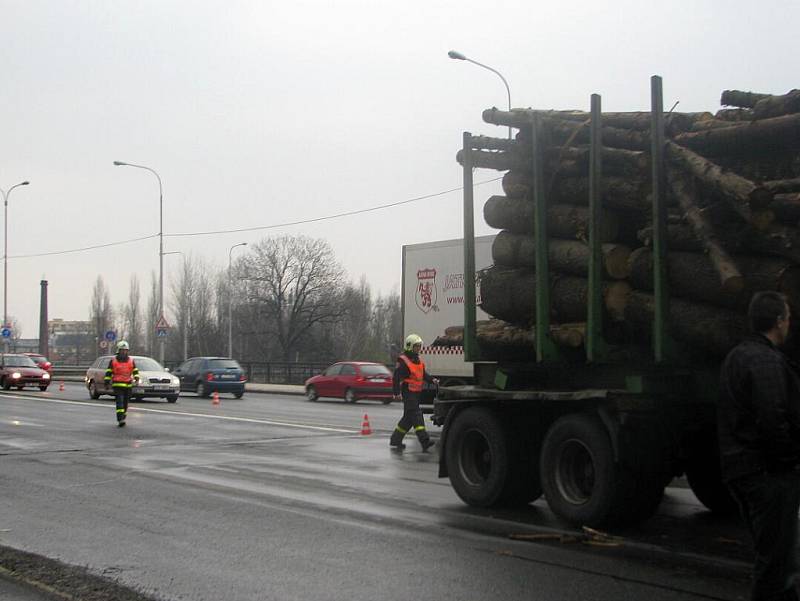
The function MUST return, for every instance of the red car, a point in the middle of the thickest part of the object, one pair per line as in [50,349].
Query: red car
[19,371]
[41,362]
[351,381]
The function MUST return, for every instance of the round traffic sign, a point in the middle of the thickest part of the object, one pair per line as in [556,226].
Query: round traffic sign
[111,336]
[6,332]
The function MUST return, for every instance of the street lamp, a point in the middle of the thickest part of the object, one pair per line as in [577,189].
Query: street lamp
[230,300]
[455,55]
[160,246]
[5,252]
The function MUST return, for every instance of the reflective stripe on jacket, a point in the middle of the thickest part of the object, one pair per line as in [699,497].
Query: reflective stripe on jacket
[121,373]
[416,374]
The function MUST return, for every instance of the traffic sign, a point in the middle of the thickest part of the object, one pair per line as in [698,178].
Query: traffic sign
[162,324]
[111,336]
[6,332]
[161,332]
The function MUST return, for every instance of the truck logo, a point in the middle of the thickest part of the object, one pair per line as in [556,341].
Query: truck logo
[425,296]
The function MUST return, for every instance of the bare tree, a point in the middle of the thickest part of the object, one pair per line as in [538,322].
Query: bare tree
[132,316]
[386,333]
[293,283]
[195,300]
[100,312]
[151,317]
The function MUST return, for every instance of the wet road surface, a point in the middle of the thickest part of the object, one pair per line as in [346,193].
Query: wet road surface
[273,497]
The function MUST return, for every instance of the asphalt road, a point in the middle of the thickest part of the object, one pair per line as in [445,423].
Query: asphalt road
[273,497]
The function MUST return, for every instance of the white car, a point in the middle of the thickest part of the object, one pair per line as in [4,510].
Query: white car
[154,380]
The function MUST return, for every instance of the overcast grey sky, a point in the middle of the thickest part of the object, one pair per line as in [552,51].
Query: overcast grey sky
[259,113]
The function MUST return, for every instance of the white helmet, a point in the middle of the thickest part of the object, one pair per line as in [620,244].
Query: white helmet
[123,344]
[411,341]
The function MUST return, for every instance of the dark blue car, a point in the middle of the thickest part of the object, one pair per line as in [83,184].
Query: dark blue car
[207,375]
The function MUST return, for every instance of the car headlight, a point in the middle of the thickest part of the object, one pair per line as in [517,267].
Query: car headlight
[175,382]
[16,375]
[45,376]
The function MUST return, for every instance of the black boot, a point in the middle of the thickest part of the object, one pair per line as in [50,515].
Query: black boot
[427,444]
[396,440]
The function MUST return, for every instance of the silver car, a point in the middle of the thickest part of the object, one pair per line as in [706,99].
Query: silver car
[154,380]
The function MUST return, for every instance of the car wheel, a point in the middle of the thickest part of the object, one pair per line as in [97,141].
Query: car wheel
[239,395]
[173,398]
[202,390]
[6,384]
[350,396]
[137,397]
[20,387]
[311,394]
[387,401]
[93,391]
[43,388]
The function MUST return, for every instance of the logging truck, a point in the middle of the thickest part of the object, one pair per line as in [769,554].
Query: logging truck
[433,301]
[631,244]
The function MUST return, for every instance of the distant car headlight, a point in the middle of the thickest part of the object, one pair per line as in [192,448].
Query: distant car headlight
[16,375]
[176,382]
[45,376]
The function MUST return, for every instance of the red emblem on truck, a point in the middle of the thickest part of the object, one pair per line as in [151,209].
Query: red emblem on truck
[425,296]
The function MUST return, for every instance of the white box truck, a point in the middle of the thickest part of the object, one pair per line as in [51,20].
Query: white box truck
[433,299]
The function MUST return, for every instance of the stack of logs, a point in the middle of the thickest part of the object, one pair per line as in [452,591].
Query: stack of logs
[733,212]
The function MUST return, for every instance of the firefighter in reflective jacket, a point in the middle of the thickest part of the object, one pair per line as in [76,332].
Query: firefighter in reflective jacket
[408,382]
[121,374]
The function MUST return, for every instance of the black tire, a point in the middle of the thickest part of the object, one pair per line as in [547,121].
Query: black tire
[93,394]
[43,388]
[704,475]
[311,394]
[238,395]
[20,388]
[483,466]
[387,401]
[581,480]
[173,398]
[202,390]
[350,396]
[6,384]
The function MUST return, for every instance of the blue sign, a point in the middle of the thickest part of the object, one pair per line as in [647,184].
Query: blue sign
[111,335]
[6,332]
[161,333]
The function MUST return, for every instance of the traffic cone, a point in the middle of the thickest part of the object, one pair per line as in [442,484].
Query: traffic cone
[61,386]
[215,398]
[365,428]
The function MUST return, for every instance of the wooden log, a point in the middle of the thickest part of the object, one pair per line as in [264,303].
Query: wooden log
[741,99]
[565,256]
[691,276]
[750,138]
[496,333]
[563,221]
[616,192]
[510,294]
[521,118]
[702,328]
[786,208]
[729,276]
[744,195]
[712,124]
[576,160]
[731,115]
[775,106]
[500,161]
[782,186]
[613,137]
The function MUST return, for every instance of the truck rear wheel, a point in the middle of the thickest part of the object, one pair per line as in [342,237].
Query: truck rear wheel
[482,463]
[582,482]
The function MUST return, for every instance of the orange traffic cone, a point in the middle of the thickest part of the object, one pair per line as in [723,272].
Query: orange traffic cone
[61,386]
[215,398]
[365,429]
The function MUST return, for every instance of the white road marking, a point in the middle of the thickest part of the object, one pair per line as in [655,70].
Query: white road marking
[248,420]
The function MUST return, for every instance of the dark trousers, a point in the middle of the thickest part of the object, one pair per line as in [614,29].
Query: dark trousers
[769,504]
[412,418]
[122,395]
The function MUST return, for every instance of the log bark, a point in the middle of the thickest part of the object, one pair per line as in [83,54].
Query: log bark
[563,221]
[565,256]
[744,195]
[775,106]
[732,115]
[729,276]
[786,208]
[497,334]
[613,137]
[616,192]
[510,295]
[751,138]
[703,328]
[712,124]
[573,160]
[782,186]
[741,99]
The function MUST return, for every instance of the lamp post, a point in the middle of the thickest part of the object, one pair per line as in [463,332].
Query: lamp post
[160,246]
[230,300]
[455,55]
[5,252]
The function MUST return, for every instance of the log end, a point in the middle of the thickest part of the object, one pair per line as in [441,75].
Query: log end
[616,298]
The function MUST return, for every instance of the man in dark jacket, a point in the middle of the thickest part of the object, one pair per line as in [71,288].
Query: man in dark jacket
[409,378]
[121,375]
[759,437]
